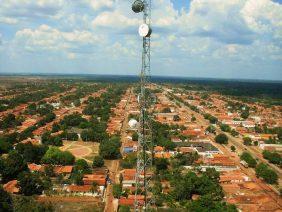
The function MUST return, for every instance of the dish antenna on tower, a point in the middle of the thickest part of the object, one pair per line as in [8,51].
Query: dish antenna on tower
[138,6]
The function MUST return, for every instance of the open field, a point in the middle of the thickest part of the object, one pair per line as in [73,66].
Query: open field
[81,150]
[85,204]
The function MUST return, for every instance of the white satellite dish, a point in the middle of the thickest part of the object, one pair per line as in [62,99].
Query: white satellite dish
[132,123]
[145,30]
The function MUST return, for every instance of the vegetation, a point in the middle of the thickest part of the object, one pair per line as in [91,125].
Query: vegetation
[269,176]
[47,139]
[9,121]
[129,161]
[234,133]
[22,203]
[184,159]
[247,141]
[6,203]
[211,129]
[81,166]
[117,190]
[13,165]
[233,148]
[135,136]
[225,127]
[55,156]
[30,184]
[272,157]
[221,139]
[98,162]
[110,149]
[212,119]
[31,153]
[247,157]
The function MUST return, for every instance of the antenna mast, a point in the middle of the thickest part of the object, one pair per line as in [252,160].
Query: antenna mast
[144,156]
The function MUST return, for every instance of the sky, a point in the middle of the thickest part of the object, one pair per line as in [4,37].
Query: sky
[191,38]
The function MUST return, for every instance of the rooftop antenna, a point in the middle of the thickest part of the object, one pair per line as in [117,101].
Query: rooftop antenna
[144,157]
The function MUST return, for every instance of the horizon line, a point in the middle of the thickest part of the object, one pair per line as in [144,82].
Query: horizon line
[137,76]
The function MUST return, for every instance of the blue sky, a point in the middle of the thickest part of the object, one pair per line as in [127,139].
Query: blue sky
[199,38]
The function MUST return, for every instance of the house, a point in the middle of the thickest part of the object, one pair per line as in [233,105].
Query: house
[82,190]
[11,187]
[233,177]
[130,200]
[130,146]
[176,140]
[128,177]
[63,170]
[158,149]
[89,179]
[35,168]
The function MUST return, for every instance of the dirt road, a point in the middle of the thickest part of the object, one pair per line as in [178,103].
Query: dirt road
[110,204]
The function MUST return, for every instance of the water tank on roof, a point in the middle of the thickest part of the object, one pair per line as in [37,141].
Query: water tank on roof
[132,123]
[138,6]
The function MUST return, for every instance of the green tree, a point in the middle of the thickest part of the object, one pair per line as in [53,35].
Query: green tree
[272,157]
[206,204]
[77,178]
[123,208]
[248,159]
[247,141]
[31,153]
[225,127]
[176,118]
[30,184]
[234,133]
[135,136]
[98,161]
[245,114]
[57,157]
[212,174]
[166,110]
[55,128]
[117,190]
[129,161]
[233,148]
[6,203]
[5,147]
[110,149]
[49,170]
[221,139]
[81,166]
[211,129]
[161,164]
[12,166]
[263,171]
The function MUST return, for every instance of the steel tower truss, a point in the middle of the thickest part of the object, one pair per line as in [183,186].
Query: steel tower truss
[144,156]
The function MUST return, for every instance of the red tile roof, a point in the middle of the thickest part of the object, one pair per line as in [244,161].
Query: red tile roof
[11,187]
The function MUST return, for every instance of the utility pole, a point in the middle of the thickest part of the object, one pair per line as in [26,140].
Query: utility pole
[144,156]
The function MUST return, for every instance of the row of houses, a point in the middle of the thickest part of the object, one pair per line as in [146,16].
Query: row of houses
[93,184]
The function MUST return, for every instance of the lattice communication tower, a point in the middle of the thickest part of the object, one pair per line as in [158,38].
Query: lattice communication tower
[145,146]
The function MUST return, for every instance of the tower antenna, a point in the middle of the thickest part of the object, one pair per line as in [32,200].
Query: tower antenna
[145,146]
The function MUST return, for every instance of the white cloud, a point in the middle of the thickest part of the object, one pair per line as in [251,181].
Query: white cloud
[114,20]
[48,38]
[99,4]
[14,9]
[7,20]
[263,16]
